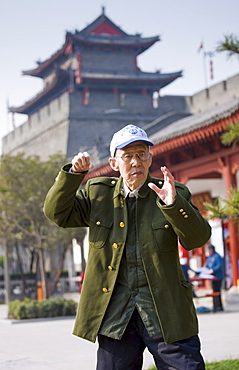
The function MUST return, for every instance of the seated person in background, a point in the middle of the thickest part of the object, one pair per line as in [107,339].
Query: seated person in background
[215,267]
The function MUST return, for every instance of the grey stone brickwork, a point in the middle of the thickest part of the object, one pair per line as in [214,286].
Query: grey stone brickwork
[111,62]
[43,134]
[67,126]
[217,94]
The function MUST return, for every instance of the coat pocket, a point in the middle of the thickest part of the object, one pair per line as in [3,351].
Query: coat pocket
[164,235]
[99,232]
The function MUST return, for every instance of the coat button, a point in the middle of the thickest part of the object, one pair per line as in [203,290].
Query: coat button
[115,245]
[184,213]
[110,268]
[113,182]
[105,290]
[122,224]
[181,210]
[166,226]
[160,182]
[98,223]
[185,216]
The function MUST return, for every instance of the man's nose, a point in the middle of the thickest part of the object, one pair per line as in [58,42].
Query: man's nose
[135,160]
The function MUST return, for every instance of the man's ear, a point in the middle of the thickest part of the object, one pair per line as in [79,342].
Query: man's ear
[151,159]
[113,164]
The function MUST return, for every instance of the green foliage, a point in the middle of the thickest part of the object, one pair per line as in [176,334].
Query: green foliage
[225,208]
[229,44]
[232,204]
[31,308]
[222,365]
[231,136]
[24,182]
[216,210]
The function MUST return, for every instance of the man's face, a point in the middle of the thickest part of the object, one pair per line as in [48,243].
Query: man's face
[135,171]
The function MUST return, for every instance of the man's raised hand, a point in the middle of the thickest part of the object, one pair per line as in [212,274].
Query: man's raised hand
[168,192]
[81,163]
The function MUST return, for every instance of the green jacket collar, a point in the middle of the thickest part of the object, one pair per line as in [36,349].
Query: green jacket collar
[143,191]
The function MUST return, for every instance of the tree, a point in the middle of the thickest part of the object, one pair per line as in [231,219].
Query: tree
[24,182]
[227,208]
[229,44]
[231,135]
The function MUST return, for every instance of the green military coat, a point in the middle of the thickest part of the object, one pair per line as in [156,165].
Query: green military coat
[101,207]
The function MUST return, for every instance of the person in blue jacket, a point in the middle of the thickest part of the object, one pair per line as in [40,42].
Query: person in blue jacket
[215,265]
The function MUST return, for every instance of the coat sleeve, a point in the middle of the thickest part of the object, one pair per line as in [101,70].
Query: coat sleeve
[192,229]
[65,205]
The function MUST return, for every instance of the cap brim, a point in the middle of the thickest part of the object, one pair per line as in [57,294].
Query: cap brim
[120,146]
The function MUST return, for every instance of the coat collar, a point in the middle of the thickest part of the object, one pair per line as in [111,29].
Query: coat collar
[143,191]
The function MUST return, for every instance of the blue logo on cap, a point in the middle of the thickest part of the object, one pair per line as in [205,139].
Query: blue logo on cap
[133,131]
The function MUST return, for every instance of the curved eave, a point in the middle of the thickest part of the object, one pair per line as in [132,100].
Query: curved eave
[115,40]
[141,44]
[39,71]
[142,81]
[61,81]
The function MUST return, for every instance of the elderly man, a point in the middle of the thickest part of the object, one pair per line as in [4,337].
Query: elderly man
[134,293]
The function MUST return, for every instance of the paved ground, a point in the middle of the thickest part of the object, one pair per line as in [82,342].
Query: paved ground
[49,344]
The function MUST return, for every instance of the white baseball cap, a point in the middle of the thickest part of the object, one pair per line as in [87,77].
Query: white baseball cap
[126,136]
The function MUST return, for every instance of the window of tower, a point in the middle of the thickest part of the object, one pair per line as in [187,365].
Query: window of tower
[122,100]
[155,99]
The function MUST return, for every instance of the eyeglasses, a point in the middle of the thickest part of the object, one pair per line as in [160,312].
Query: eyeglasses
[128,157]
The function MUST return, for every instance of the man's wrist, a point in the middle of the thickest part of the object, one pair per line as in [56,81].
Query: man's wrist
[72,171]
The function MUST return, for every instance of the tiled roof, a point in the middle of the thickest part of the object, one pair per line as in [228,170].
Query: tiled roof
[87,36]
[141,79]
[62,81]
[128,40]
[195,122]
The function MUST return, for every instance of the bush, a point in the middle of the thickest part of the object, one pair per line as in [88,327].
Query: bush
[31,308]
[222,365]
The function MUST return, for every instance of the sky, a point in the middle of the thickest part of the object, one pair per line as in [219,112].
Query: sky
[32,30]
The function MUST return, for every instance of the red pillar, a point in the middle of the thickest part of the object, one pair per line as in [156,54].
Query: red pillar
[230,181]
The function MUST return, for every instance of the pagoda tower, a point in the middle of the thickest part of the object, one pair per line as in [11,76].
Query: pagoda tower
[92,86]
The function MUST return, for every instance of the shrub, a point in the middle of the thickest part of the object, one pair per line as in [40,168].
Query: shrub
[222,365]
[31,308]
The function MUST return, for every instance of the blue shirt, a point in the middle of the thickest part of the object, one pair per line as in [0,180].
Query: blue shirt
[215,263]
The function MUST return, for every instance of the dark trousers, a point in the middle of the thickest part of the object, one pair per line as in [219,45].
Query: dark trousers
[127,353]
[217,302]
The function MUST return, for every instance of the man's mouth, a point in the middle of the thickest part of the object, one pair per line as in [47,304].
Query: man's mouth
[137,173]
